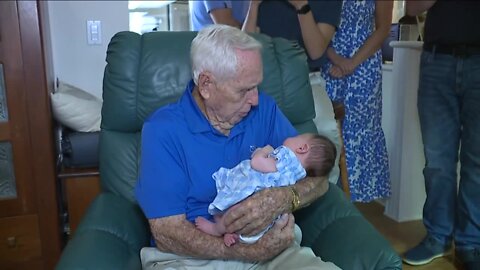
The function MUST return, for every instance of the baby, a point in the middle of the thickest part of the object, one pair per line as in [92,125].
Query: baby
[305,154]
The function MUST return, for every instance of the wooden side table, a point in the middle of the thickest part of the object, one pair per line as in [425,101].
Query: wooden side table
[80,187]
[339,111]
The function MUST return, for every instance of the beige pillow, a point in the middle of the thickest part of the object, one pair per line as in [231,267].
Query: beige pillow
[76,108]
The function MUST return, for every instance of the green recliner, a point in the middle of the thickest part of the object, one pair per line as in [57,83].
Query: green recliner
[147,71]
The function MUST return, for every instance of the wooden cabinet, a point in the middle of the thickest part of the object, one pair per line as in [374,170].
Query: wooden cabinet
[80,186]
[21,239]
[30,233]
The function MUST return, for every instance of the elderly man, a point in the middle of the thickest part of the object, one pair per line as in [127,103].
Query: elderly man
[216,122]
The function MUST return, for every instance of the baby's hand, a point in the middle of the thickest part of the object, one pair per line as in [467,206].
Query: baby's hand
[263,151]
[268,148]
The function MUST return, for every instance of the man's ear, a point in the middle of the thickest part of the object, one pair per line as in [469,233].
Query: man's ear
[205,84]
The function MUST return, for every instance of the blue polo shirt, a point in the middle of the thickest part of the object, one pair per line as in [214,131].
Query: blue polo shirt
[200,11]
[280,19]
[181,151]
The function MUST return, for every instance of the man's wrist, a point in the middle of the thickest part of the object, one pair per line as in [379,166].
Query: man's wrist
[304,9]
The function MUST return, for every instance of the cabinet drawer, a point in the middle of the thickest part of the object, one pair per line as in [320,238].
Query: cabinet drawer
[19,239]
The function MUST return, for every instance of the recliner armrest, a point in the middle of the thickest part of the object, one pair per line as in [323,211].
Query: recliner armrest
[110,236]
[353,243]
[337,232]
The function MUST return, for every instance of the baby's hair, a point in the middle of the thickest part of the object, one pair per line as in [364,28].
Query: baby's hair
[321,157]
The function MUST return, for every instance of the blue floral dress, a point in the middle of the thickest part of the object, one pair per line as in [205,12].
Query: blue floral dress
[361,92]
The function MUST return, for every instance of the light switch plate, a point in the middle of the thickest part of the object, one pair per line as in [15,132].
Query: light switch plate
[94,32]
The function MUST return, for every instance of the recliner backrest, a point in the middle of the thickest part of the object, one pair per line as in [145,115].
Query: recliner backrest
[147,71]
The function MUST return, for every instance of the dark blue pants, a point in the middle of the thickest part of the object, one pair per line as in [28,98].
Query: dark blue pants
[449,110]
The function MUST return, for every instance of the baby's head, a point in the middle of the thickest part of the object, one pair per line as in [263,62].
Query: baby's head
[316,152]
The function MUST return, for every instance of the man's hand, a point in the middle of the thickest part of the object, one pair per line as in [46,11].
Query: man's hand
[255,213]
[277,239]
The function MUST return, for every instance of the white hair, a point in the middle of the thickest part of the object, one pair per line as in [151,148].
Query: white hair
[214,50]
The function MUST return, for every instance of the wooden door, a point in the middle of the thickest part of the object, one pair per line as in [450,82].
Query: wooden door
[29,218]
[16,194]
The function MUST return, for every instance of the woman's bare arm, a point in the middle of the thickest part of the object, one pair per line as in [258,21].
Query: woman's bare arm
[383,18]
[383,22]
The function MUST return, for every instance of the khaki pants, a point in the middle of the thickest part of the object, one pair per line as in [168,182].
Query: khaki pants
[294,257]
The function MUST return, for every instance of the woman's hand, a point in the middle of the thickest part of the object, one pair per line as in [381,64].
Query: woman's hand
[336,72]
[347,65]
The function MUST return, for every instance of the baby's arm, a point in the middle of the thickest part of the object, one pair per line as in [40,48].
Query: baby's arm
[262,161]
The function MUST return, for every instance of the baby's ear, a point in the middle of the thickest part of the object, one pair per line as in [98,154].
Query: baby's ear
[303,149]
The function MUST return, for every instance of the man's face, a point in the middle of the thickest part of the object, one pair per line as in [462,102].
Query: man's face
[231,100]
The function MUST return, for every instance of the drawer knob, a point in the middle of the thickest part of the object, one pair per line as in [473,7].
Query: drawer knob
[12,241]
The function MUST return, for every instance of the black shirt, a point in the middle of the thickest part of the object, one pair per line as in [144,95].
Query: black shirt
[279,19]
[453,23]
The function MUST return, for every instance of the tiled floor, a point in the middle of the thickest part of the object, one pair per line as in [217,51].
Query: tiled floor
[403,236]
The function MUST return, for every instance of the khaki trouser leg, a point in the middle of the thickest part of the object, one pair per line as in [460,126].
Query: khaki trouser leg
[294,257]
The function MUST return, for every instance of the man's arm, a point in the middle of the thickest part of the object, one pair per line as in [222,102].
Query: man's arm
[259,210]
[416,7]
[174,234]
[316,36]
[250,24]
[224,16]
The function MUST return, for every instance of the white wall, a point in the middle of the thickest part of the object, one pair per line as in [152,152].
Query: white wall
[74,61]
[401,126]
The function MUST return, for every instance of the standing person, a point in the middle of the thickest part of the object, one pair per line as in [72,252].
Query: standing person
[204,13]
[449,111]
[353,76]
[312,25]
[299,156]
[221,113]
